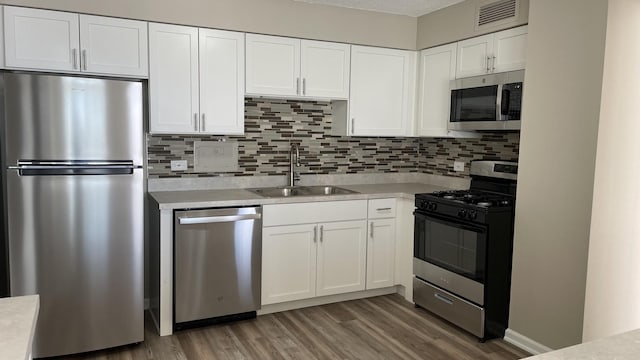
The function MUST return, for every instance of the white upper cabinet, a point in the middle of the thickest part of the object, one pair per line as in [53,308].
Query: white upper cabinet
[325,69]
[196,83]
[510,49]
[173,79]
[497,52]
[114,46]
[61,41]
[382,91]
[437,67]
[288,67]
[221,81]
[41,39]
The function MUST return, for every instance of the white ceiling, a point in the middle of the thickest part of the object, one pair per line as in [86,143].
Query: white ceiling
[413,8]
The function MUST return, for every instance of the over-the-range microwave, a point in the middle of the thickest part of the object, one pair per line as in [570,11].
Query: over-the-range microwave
[488,102]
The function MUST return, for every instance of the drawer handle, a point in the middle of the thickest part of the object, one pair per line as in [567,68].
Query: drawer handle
[383,209]
[443,299]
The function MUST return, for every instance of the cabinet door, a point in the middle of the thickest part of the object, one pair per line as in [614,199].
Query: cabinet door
[221,82]
[173,79]
[325,69]
[510,49]
[381,246]
[342,250]
[474,56]
[381,91]
[114,46]
[288,263]
[273,65]
[41,39]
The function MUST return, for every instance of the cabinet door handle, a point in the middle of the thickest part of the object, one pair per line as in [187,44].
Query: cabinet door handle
[304,86]
[353,124]
[493,64]
[488,66]
[371,230]
[202,125]
[74,58]
[84,60]
[315,234]
[321,232]
[297,85]
[383,209]
[195,122]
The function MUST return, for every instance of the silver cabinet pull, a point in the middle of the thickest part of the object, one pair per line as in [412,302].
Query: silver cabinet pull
[195,122]
[321,232]
[304,86]
[84,60]
[74,58]
[443,299]
[488,66]
[383,209]
[297,85]
[315,234]
[371,230]
[493,64]
[202,128]
[353,124]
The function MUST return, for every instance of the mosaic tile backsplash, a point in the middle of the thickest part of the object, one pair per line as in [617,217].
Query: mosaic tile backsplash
[271,126]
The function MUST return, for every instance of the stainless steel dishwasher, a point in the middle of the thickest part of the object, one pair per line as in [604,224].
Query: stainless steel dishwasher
[217,265]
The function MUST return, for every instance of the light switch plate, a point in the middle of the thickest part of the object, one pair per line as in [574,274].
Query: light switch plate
[178,165]
[458,166]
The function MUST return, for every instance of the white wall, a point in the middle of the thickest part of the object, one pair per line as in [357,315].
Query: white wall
[612,302]
[276,17]
[557,159]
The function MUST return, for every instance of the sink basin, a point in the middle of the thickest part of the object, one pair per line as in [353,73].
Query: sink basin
[288,191]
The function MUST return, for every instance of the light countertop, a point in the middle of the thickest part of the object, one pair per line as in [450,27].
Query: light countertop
[18,316]
[241,197]
[625,346]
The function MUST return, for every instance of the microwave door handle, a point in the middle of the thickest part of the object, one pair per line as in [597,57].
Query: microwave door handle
[504,108]
[499,103]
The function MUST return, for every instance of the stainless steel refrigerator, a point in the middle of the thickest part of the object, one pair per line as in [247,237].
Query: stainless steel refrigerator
[73,187]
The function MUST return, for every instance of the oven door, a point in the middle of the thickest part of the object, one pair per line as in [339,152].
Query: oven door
[450,244]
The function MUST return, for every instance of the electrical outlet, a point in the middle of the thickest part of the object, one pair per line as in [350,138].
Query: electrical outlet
[178,165]
[458,166]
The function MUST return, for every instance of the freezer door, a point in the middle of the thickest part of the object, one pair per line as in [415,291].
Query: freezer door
[50,117]
[78,242]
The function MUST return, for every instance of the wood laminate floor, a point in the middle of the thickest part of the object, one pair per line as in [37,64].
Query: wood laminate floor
[384,327]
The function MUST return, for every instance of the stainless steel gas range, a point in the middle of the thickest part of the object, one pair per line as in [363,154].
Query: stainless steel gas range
[463,243]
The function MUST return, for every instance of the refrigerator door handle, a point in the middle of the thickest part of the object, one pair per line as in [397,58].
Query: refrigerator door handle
[35,168]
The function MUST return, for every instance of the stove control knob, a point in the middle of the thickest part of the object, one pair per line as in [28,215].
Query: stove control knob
[462,213]
[433,206]
[472,214]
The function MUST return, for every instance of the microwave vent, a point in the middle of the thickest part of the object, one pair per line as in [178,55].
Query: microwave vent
[497,12]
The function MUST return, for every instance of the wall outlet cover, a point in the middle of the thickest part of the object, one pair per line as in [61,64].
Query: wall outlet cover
[178,165]
[458,166]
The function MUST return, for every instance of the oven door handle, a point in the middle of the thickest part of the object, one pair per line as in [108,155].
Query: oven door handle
[451,222]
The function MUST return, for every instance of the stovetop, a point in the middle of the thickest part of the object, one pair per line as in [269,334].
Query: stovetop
[478,198]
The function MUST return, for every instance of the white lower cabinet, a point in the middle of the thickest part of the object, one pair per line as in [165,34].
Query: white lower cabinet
[303,258]
[381,245]
[288,263]
[342,256]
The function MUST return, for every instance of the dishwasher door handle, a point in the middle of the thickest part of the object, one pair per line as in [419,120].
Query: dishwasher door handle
[217,219]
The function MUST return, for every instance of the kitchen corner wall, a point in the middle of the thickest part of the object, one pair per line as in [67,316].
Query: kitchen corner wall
[272,125]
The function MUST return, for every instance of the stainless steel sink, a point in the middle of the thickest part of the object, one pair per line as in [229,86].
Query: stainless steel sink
[288,191]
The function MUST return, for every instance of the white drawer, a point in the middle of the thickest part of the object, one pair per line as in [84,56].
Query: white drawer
[382,208]
[315,212]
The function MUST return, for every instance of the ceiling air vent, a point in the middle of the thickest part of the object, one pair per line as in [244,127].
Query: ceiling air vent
[496,12]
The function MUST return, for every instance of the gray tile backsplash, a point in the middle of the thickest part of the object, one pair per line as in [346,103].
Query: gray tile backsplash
[271,125]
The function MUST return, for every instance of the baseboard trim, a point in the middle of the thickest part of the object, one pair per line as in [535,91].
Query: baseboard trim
[525,343]
[323,300]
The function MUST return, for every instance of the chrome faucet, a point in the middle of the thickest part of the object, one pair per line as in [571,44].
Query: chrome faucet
[294,152]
